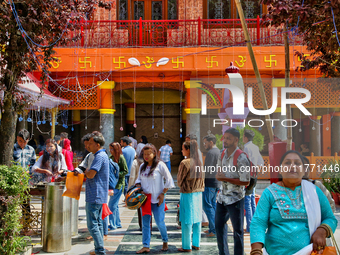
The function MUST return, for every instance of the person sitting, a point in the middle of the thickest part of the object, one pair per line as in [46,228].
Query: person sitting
[293,216]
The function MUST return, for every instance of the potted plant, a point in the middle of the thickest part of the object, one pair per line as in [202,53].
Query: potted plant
[13,192]
[331,179]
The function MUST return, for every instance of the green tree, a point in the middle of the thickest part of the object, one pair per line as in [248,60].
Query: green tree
[313,21]
[33,23]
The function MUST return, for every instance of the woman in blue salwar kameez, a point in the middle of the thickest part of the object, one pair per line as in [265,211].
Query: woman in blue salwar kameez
[293,216]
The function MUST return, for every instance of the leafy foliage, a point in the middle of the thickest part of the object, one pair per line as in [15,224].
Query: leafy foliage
[13,192]
[29,30]
[331,176]
[313,20]
[219,142]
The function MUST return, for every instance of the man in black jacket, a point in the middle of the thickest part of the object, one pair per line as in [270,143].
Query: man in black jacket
[211,184]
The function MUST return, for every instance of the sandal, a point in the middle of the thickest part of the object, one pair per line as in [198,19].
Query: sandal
[195,248]
[89,238]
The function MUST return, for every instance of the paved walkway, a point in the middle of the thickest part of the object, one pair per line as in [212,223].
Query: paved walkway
[128,239]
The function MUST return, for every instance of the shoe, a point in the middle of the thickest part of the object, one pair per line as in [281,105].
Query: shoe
[206,231]
[210,235]
[195,248]
[89,238]
[92,253]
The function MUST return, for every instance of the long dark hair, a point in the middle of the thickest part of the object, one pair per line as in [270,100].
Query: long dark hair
[46,157]
[117,151]
[192,146]
[144,139]
[155,159]
[284,156]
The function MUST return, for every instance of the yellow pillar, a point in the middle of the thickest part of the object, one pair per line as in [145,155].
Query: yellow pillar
[107,111]
[193,107]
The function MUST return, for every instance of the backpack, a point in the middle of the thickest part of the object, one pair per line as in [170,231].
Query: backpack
[113,174]
[253,174]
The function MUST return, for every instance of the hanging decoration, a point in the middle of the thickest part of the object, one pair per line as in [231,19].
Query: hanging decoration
[37,114]
[72,128]
[64,118]
[29,119]
[121,106]
[180,110]
[163,110]
[44,117]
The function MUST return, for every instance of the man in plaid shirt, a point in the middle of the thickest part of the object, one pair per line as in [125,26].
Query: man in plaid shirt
[164,154]
[23,153]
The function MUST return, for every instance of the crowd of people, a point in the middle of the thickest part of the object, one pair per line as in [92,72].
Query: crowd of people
[293,216]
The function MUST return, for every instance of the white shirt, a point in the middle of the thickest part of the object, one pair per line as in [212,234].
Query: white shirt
[154,184]
[139,148]
[134,142]
[87,162]
[253,153]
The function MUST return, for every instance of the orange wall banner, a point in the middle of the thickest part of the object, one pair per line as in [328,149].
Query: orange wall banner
[269,59]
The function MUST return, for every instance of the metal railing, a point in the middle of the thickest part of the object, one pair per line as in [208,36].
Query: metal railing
[174,33]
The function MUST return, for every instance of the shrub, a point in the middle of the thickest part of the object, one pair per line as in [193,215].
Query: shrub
[13,192]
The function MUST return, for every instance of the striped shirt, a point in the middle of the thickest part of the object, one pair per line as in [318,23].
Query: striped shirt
[165,153]
[97,188]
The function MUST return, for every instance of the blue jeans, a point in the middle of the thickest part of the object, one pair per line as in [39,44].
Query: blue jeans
[114,218]
[209,206]
[106,226]
[249,206]
[95,226]
[159,215]
[235,212]
[126,184]
[168,164]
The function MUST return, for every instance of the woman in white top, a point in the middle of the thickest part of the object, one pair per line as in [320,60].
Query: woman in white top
[152,174]
[50,165]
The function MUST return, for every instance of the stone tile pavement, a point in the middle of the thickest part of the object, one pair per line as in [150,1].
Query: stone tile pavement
[128,239]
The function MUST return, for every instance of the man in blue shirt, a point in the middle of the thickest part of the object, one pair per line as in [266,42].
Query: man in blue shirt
[23,153]
[164,154]
[129,154]
[97,186]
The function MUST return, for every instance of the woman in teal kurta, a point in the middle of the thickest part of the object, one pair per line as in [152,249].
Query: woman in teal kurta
[280,223]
